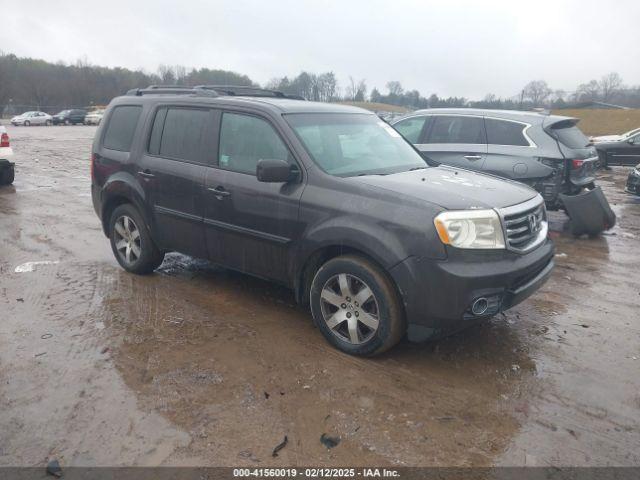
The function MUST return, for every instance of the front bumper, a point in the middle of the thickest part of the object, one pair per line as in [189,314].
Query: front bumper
[633,182]
[438,294]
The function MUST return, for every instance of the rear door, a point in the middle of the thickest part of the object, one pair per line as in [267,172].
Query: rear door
[625,152]
[251,226]
[510,152]
[457,140]
[172,169]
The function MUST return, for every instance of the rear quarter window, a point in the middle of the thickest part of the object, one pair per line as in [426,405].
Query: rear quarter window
[502,132]
[122,127]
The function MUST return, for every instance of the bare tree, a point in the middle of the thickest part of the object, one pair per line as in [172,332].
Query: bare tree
[395,88]
[610,85]
[537,92]
[588,91]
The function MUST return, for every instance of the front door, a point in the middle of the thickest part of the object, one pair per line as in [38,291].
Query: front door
[627,152]
[251,226]
[456,140]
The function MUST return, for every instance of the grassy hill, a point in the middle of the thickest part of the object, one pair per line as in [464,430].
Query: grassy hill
[604,122]
[378,107]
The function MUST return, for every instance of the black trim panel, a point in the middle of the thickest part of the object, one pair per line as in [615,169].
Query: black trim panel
[176,213]
[248,231]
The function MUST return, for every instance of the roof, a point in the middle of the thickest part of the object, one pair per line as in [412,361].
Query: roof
[229,95]
[516,115]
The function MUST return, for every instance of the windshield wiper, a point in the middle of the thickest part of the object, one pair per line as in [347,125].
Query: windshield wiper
[417,168]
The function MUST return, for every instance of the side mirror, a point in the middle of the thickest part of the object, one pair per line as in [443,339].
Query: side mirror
[275,171]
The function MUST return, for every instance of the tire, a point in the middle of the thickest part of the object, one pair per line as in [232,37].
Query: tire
[67,122]
[7,175]
[142,256]
[48,123]
[27,123]
[334,291]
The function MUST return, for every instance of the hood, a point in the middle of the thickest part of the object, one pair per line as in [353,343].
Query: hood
[453,188]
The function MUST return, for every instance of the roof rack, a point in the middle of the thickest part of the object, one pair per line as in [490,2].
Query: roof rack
[211,91]
[171,90]
[245,91]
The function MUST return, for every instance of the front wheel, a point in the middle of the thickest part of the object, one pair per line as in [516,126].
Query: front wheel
[131,241]
[356,307]
[48,123]
[67,122]
[27,123]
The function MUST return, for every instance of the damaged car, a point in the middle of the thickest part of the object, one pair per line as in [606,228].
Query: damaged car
[633,181]
[547,152]
[325,199]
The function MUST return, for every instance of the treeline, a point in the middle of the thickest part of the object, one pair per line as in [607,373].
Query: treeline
[27,83]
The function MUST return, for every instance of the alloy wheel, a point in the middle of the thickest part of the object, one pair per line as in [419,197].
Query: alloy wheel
[127,239]
[349,308]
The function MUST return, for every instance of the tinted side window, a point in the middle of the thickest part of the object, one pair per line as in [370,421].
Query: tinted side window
[501,132]
[411,128]
[456,129]
[121,128]
[184,133]
[244,140]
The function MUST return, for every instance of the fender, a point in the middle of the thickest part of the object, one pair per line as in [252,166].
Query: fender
[124,185]
[381,244]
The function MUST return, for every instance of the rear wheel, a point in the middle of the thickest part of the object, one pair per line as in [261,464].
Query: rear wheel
[356,307]
[7,175]
[131,241]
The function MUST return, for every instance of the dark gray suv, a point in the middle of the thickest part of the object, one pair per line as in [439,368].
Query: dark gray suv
[326,199]
[547,152]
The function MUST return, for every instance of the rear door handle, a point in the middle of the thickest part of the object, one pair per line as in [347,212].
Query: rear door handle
[146,173]
[219,192]
[473,157]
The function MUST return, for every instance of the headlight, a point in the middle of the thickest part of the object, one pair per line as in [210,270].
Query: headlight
[470,229]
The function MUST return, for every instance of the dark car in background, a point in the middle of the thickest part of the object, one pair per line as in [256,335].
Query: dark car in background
[70,117]
[633,181]
[625,151]
[325,199]
[546,152]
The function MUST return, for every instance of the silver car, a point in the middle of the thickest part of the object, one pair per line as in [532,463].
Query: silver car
[32,118]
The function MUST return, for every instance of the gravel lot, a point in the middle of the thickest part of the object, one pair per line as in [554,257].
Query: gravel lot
[196,365]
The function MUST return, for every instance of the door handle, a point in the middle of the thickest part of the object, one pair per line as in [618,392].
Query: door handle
[219,192]
[146,173]
[473,157]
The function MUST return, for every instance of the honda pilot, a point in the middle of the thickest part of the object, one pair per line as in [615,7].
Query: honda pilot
[326,199]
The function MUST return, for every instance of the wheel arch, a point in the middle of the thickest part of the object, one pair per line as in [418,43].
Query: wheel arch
[119,191]
[321,255]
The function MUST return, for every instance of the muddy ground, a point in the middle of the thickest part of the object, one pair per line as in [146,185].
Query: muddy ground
[195,365]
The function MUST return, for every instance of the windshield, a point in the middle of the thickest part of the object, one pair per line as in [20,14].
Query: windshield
[631,132]
[346,144]
[571,136]
[64,112]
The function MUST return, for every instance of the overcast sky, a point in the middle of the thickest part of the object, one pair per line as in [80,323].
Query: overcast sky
[461,48]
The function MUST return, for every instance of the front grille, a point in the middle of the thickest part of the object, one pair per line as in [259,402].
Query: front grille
[525,225]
